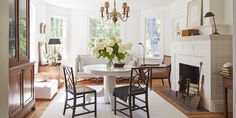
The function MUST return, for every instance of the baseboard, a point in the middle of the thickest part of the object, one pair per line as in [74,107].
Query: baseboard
[218,106]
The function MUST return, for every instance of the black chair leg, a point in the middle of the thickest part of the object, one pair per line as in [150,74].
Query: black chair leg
[147,109]
[130,108]
[115,105]
[83,101]
[133,102]
[74,106]
[150,84]
[95,105]
[64,111]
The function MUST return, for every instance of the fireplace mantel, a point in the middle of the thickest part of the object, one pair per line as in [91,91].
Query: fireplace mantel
[213,51]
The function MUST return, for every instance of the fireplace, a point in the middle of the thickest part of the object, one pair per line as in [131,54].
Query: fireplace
[213,51]
[189,72]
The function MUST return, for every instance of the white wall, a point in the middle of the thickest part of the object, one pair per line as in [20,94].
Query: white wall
[4,58]
[132,32]
[40,8]
[234,58]
[228,11]
[79,31]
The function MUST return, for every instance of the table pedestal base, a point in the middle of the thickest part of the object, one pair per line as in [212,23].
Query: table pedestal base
[109,85]
[107,90]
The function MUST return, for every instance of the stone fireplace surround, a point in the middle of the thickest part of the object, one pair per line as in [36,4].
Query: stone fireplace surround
[213,51]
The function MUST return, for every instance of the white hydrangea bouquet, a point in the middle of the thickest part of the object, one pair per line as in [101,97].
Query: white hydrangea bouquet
[109,49]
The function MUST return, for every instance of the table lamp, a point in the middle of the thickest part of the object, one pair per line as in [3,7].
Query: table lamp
[210,14]
[54,42]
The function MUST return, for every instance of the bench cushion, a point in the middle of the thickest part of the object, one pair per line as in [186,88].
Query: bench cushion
[46,89]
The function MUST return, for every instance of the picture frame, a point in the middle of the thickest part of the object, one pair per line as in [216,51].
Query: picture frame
[194,14]
[42,49]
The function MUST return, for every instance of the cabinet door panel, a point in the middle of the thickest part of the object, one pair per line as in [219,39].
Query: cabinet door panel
[12,33]
[15,97]
[12,29]
[23,30]
[28,84]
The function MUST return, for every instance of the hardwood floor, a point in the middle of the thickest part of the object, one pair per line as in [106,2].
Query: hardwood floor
[41,105]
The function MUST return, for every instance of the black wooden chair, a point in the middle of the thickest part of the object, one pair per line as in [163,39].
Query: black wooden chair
[138,85]
[77,91]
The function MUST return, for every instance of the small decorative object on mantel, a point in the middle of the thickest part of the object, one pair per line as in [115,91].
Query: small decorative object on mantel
[109,49]
[189,32]
[210,14]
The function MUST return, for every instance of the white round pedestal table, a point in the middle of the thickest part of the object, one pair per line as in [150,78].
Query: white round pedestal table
[109,82]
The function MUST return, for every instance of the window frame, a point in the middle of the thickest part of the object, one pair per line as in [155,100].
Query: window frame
[161,43]
[64,26]
[122,31]
[64,35]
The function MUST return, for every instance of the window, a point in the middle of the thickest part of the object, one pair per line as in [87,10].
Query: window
[58,30]
[99,29]
[152,37]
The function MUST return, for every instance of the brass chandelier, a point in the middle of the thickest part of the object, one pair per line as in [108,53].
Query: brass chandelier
[114,15]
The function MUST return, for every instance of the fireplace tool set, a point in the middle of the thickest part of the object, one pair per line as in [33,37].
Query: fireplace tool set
[189,91]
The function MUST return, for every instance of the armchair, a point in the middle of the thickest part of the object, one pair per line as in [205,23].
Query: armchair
[161,71]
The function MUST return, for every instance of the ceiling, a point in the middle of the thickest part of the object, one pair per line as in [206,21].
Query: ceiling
[96,4]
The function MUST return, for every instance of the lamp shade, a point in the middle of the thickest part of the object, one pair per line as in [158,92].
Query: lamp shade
[54,41]
[209,14]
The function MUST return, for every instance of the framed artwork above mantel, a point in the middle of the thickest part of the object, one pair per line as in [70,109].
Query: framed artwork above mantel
[194,14]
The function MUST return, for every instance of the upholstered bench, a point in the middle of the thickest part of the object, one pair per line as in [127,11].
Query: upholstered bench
[45,89]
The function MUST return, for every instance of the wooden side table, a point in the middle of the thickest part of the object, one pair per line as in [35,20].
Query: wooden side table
[52,71]
[227,84]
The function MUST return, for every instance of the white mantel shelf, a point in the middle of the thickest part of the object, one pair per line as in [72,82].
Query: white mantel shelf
[202,37]
[213,51]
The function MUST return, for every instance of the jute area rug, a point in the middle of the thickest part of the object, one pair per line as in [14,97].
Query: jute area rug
[158,108]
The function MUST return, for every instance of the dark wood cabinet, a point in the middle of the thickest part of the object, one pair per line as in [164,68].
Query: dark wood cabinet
[21,79]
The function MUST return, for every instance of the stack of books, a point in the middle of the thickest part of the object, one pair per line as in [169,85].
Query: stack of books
[226,71]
